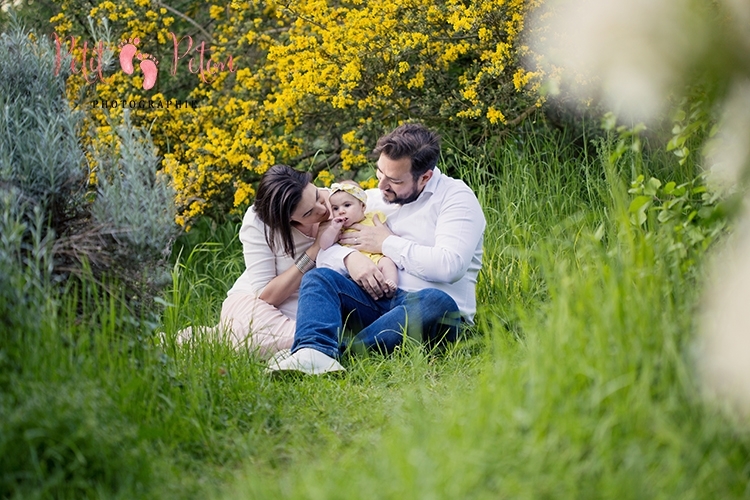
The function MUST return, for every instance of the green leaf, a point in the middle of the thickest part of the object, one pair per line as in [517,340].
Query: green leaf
[671,203]
[640,217]
[609,121]
[599,233]
[664,215]
[672,144]
[705,212]
[694,235]
[638,202]
[652,186]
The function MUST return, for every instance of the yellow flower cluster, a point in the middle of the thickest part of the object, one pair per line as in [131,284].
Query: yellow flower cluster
[312,80]
[354,151]
[370,183]
[325,177]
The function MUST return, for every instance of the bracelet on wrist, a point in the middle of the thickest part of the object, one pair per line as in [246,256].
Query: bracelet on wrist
[304,263]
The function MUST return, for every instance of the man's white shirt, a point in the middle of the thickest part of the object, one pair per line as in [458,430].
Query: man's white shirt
[439,242]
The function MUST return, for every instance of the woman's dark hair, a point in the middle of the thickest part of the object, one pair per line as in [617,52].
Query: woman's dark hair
[279,192]
[414,141]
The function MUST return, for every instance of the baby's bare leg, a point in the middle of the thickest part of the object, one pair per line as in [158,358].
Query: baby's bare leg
[390,272]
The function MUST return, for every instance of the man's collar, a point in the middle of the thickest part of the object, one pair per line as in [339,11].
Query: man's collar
[433,182]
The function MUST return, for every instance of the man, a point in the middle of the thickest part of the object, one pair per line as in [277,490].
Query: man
[438,252]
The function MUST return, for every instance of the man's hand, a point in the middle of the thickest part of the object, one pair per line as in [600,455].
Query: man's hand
[329,232]
[367,238]
[366,274]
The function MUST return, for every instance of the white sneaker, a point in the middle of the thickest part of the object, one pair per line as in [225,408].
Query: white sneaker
[279,356]
[307,361]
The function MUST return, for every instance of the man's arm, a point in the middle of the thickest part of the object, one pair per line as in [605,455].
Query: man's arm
[363,271]
[458,231]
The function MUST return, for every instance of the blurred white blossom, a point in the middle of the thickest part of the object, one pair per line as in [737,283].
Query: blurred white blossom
[633,56]
[738,13]
[727,154]
[631,53]
[724,354]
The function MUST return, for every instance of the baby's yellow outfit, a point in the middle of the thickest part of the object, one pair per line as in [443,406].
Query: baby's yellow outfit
[368,221]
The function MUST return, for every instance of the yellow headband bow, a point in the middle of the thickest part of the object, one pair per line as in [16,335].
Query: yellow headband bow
[353,190]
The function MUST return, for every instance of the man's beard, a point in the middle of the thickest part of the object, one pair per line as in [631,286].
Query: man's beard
[403,200]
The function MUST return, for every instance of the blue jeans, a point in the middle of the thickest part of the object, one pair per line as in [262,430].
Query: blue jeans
[328,302]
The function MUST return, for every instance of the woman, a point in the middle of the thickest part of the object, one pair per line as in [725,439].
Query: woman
[279,236]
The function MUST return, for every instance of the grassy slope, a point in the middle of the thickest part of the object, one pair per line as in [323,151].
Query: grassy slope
[582,386]
[577,382]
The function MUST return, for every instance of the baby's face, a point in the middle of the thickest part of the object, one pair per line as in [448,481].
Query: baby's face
[347,206]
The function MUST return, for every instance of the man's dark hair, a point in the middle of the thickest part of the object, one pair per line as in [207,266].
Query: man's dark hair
[279,192]
[413,141]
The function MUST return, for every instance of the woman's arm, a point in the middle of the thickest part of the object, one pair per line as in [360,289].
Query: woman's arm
[282,286]
[285,284]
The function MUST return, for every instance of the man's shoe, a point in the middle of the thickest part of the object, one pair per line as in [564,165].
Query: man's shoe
[307,361]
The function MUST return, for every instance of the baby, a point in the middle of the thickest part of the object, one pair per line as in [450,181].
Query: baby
[348,204]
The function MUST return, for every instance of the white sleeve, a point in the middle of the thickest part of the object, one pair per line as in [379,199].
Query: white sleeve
[458,232]
[260,261]
[333,258]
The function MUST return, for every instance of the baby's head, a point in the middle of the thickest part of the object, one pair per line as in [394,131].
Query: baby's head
[348,201]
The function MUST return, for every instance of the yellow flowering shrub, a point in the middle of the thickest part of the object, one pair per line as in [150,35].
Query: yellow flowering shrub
[311,83]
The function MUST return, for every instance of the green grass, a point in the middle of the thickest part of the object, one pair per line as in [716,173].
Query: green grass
[577,381]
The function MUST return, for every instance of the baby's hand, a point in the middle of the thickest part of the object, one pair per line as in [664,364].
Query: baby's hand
[392,288]
[337,222]
[329,232]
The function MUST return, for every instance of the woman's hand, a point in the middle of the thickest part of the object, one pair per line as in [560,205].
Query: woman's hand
[366,274]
